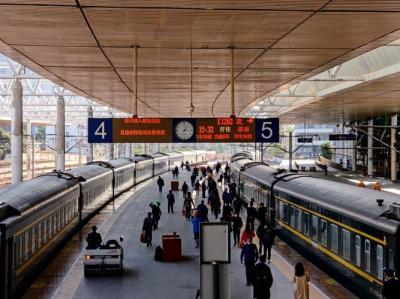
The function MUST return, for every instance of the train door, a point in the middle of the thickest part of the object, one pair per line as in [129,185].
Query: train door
[358,250]
[367,255]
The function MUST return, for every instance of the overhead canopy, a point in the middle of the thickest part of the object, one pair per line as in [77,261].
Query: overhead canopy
[86,46]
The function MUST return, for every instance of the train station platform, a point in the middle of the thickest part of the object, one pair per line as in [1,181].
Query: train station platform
[145,278]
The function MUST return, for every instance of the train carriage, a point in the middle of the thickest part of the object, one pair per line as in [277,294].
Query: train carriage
[143,168]
[160,163]
[124,174]
[175,159]
[189,156]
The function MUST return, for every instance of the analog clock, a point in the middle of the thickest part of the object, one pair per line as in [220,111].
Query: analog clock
[184,130]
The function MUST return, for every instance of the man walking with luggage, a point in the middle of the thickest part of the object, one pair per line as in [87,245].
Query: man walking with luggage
[185,189]
[148,229]
[171,201]
[160,183]
[250,255]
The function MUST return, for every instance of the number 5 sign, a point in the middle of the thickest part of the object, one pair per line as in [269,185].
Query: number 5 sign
[100,130]
[267,130]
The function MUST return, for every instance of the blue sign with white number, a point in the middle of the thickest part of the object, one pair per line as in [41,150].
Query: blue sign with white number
[100,130]
[267,130]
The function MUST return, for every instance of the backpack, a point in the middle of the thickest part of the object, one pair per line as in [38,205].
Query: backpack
[158,254]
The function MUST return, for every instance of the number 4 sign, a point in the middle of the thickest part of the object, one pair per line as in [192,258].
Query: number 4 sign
[267,130]
[100,130]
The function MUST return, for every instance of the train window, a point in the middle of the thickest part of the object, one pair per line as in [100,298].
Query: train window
[286,213]
[358,250]
[379,261]
[314,227]
[292,217]
[324,232]
[367,255]
[334,238]
[346,244]
[306,223]
[298,219]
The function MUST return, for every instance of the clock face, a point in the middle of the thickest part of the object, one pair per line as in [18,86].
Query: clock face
[184,130]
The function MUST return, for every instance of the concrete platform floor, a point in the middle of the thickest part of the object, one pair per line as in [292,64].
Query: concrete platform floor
[143,277]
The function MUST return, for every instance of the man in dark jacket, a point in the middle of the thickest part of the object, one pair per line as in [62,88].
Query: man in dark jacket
[148,229]
[93,239]
[203,189]
[160,183]
[250,255]
[262,280]
[237,205]
[185,189]
[203,211]
[268,241]
[171,201]
[391,286]
[156,212]
[237,224]
[251,215]
[261,213]
[225,197]
[262,228]
[192,179]
[227,212]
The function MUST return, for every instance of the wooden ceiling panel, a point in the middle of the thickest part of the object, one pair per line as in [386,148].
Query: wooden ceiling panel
[182,29]
[364,5]
[65,56]
[43,25]
[296,58]
[340,30]
[212,4]
[39,2]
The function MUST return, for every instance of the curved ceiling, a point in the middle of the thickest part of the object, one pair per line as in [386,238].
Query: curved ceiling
[86,46]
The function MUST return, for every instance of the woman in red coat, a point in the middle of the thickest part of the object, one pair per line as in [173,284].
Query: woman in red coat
[247,233]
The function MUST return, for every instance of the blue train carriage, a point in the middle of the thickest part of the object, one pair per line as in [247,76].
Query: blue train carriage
[143,168]
[160,163]
[35,216]
[345,227]
[96,187]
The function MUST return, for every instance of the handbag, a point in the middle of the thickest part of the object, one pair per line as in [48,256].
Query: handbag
[143,238]
[183,212]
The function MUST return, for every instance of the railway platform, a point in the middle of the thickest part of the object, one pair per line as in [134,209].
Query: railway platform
[145,278]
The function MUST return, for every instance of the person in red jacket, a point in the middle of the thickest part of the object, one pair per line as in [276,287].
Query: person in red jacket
[247,233]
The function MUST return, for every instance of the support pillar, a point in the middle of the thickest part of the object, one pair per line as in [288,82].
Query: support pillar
[354,157]
[144,148]
[370,145]
[90,156]
[60,134]
[169,147]
[16,132]
[393,153]
[290,150]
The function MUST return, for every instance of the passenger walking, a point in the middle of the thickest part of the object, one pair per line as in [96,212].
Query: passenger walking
[176,171]
[203,188]
[267,242]
[217,205]
[148,229]
[188,206]
[377,186]
[93,239]
[197,187]
[237,224]
[237,205]
[251,215]
[225,196]
[250,255]
[203,211]
[185,189]
[262,280]
[160,183]
[247,233]
[261,213]
[262,228]
[156,212]
[361,184]
[196,229]
[192,179]
[212,201]
[227,212]
[171,201]
[391,286]
[182,165]
[300,280]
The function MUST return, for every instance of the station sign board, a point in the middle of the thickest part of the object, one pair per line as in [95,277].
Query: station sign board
[304,140]
[178,130]
[340,137]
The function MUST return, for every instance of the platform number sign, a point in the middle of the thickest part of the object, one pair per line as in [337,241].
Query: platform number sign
[267,130]
[100,130]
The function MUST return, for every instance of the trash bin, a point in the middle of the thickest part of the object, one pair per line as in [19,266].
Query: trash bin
[172,246]
[175,185]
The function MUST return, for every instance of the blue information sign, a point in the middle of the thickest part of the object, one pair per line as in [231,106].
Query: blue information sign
[100,130]
[267,130]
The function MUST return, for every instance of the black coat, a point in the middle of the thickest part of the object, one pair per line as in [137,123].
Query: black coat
[262,281]
[391,289]
[148,225]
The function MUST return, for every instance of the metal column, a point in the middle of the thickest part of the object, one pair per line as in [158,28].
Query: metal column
[144,151]
[370,145]
[354,157]
[393,153]
[60,134]
[90,156]
[16,132]
[290,150]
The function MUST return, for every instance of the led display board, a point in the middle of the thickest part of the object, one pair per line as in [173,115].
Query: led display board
[181,130]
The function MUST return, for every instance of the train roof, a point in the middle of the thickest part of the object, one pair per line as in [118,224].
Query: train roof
[158,156]
[25,195]
[352,201]
[175,154]
[120,162]
[140,158]
[257,170]
[89,171]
